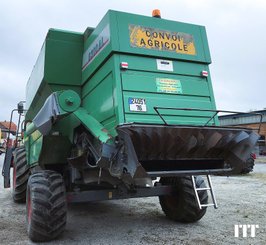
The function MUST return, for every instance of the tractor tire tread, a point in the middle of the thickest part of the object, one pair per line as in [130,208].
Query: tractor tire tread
[49,209]
[22,175]
[183,206]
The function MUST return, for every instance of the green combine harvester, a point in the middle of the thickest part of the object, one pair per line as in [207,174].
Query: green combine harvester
[122,110]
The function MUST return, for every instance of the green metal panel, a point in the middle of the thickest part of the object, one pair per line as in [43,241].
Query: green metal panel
[100,102]
[146,82]
[99,95]
[118,95]
[36,78]
[63,57]
[90,64]
[106,97]
[194,92]
[160,30]
[66,126]
[149,63]
[107,88]
[34,146]
[123,32]
[57,68]
[99,45]
[96,128]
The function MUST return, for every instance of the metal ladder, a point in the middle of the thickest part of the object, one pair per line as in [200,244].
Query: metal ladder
[208,188]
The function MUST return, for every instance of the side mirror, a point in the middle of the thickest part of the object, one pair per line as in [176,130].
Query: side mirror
[20,107]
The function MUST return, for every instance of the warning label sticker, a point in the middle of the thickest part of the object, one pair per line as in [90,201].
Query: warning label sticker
[151,38]
[166,85]
[164,65]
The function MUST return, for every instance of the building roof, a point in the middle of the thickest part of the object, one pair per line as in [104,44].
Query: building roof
[243,118]
[5,126]
[244,114]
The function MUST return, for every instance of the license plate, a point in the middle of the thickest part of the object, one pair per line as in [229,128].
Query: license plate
[136,104]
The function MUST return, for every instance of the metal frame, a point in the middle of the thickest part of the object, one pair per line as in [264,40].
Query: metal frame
[209,188]
[9,150]
[156,108]
[181,173]
[114,194]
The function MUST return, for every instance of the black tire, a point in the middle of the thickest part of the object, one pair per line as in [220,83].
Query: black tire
[21,175]
[46,206]
[249,165]
[182,206]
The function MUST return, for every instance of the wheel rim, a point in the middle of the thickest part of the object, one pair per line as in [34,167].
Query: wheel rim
[29,208]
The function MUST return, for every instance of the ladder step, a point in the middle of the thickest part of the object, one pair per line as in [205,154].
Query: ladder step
[203,189]
[207,188]
[207,205]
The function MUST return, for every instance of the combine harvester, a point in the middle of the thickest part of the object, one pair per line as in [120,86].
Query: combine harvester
[120,111]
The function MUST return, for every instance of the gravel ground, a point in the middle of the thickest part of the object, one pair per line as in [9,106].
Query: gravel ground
[241,199]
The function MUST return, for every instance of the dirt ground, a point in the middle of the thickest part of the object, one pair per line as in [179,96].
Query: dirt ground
[241,200]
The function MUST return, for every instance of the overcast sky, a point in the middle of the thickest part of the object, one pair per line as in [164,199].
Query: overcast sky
[236,31]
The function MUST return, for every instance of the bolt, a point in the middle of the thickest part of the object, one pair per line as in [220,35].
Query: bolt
[69,101]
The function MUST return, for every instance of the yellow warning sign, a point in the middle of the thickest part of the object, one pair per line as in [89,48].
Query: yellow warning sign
[151,38]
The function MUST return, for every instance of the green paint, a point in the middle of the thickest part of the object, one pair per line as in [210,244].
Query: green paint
[119,24]
[89,65]
[57,68]
[68,100]
[97,130]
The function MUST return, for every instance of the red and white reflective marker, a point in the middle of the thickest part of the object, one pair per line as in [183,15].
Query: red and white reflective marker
[204,74]
[124,65]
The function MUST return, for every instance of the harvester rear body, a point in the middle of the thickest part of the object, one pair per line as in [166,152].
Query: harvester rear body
[112,109]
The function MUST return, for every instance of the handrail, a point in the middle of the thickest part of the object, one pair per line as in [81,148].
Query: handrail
[157,108]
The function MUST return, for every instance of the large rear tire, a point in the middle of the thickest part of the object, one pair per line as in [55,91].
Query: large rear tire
[182,206]
[46,206]
[248,166]
[21,174]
